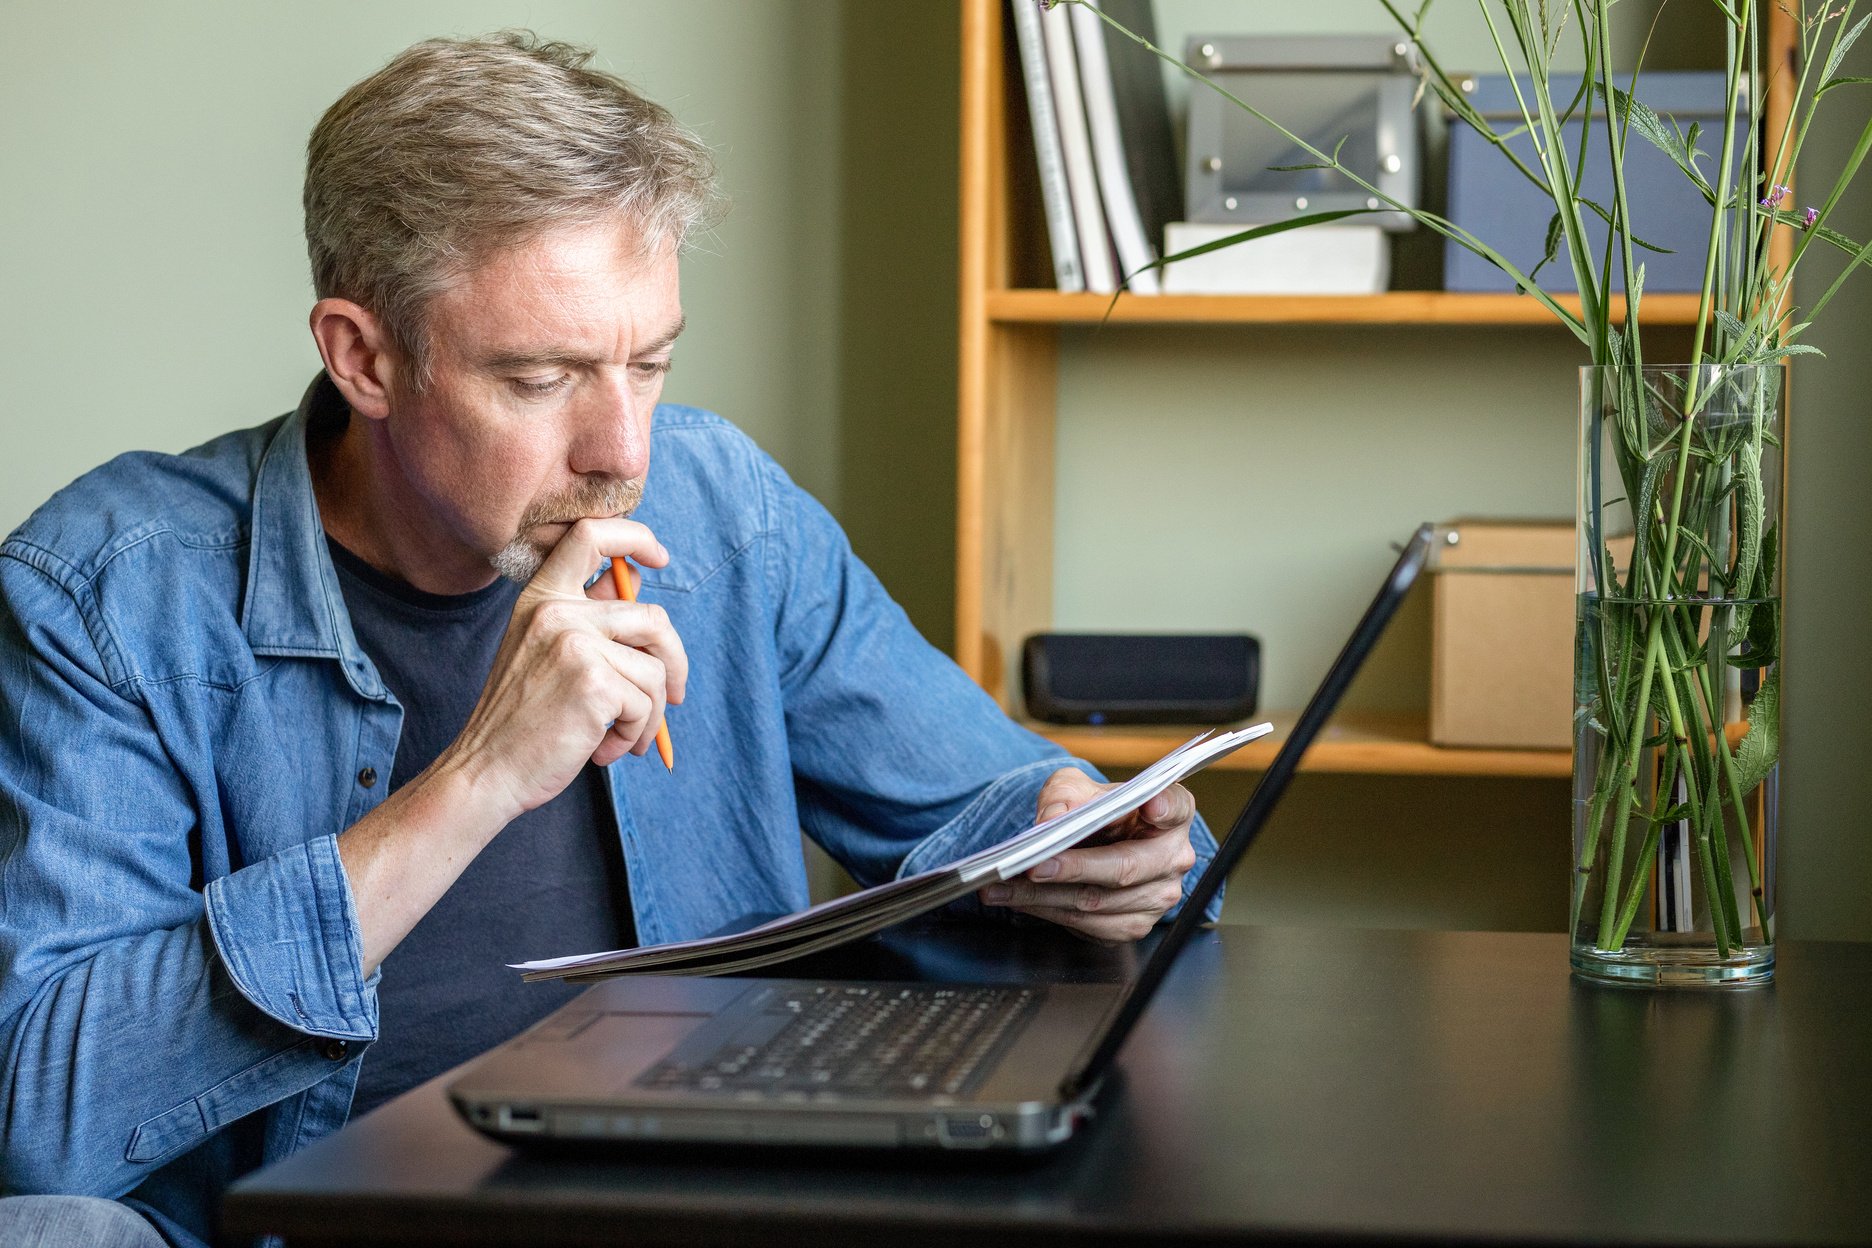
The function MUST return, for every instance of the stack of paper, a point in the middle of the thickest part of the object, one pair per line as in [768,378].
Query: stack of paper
[859,914]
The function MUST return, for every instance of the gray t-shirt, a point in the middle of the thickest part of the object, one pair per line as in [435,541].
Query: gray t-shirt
[552,882]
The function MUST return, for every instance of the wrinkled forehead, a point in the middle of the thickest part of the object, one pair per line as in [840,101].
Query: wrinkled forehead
[592,289]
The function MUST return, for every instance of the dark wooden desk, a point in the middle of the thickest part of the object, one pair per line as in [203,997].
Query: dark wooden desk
[1288,1085]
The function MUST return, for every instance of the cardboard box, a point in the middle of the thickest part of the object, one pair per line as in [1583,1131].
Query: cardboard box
[1501,635]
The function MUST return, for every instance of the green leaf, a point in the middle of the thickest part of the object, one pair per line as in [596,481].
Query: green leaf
[1690,537]
[1263,231]
[1752,658]
[1764,625]
[1733,326]
[1333,163]
[1840,49]
[1552,249]
[1652,128]
[1259,231]
[1832,237]
[1607,218]
[1751,512]
[1830,83]
[1671,814]
[1761,745]
[1642,519]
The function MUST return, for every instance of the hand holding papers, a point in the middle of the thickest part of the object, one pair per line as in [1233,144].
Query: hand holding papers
[848,918]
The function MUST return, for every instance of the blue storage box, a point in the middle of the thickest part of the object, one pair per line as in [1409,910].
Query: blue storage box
[1491,199]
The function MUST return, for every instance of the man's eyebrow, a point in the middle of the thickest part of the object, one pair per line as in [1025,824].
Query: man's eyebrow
[664,341]
[507,361]
[504,361]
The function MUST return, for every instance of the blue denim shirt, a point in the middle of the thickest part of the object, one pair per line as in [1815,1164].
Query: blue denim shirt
[188,721]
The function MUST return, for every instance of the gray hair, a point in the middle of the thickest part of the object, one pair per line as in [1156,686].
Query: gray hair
[458,149]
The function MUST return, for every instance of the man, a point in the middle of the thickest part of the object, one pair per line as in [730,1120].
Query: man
[290,770]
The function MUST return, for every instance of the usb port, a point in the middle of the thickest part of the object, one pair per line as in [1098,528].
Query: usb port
[521,1118]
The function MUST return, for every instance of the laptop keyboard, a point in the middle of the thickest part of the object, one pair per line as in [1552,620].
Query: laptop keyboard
[858,1040]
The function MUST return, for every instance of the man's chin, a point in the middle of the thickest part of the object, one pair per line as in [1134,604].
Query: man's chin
[519,561]
[521,558]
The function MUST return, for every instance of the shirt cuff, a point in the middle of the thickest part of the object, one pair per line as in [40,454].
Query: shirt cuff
[1002,810]
[1006,808]
[288,934]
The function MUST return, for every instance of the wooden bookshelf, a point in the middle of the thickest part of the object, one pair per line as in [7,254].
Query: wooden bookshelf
[1008,359]
[1404,307]
[1353,743]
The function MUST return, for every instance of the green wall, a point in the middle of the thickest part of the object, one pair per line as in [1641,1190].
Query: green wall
[155,271]
[1240,478]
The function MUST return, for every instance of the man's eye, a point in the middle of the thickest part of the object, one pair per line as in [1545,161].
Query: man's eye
[652,368]
[538,389]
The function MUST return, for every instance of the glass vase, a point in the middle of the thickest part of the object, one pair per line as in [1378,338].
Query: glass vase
[1677,692]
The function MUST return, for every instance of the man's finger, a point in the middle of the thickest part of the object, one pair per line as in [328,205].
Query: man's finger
[647,677]
[1172,808]
[587,544]
[640,626]
[1065,790]
[1117,864]
[605,587]
[1152,898]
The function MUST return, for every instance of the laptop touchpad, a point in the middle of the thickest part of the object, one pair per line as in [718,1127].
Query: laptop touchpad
[623,1046]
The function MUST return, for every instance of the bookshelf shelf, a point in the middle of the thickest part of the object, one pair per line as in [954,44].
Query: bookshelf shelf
[1354,743]
[1413,307]
[1008,389]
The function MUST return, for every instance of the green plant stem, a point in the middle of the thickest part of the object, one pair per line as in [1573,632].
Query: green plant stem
[1553,159]
[1615,852]
[1647,852]
[1723,180]
[1615,143]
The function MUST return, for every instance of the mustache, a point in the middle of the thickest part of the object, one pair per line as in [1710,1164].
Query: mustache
[609,497]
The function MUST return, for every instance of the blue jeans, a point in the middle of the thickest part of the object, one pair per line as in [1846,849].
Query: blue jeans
[73,1222]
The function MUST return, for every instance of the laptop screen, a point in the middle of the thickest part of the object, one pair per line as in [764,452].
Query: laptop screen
[1255,814]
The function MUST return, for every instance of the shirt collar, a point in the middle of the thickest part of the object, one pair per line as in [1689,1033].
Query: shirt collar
[294,606]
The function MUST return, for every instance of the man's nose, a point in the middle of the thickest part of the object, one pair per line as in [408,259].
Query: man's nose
[612,437]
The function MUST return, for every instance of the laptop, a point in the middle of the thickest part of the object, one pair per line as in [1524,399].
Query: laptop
[796,1062]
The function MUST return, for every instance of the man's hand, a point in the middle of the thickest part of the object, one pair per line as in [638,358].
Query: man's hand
[1115,885]
[580,675]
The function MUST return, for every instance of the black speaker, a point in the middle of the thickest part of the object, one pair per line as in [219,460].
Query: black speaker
[1162,678]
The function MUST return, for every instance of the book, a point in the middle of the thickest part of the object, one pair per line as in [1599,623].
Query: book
[870,910]
[1135,253]
[1143,107]
[1095,250]
[1062,234]
[1318,260]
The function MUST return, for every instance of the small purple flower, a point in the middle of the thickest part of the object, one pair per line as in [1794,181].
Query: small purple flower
[1774,197]
[1810,216]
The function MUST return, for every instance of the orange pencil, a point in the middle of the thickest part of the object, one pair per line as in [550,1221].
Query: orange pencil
[620,576]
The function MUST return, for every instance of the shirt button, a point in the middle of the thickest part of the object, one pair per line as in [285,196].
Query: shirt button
[336,1050]
[367,777]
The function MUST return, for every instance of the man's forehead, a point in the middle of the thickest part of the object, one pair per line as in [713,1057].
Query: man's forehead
[589,287]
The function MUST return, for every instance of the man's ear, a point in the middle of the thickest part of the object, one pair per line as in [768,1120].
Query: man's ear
[359,354]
